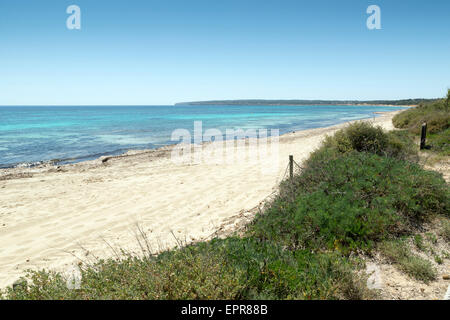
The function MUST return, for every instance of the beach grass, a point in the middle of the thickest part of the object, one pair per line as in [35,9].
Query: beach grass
[397,252]
[231,268]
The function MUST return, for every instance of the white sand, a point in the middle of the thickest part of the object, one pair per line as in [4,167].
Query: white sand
[50,216]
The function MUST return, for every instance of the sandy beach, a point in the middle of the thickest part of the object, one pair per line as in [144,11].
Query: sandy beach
[50,217]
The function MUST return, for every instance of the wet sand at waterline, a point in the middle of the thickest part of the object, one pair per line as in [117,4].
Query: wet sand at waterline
[53,217]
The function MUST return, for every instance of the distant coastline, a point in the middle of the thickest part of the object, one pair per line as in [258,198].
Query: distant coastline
[256,102]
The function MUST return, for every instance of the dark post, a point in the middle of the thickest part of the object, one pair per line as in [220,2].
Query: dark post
[291,166]
[423,136]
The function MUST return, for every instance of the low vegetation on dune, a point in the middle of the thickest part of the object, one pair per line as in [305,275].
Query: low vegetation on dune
[437,117]
[397,252]
[364,137]
[351,202]
[231,268]
[436,114]
[363,190]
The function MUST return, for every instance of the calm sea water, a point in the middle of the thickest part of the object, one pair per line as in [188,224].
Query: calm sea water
[30,135]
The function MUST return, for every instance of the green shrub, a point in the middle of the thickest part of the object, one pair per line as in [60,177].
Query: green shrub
[365,137]
[350,202]
[232,268]
[359,136]
[401,145]
[438,259]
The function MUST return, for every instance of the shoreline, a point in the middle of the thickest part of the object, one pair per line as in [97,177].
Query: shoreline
[43,164]
[55,216]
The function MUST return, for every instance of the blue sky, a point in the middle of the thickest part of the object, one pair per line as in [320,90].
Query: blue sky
[167,51]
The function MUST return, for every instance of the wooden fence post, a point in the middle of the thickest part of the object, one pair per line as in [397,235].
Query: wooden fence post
[423,136]
[291,166]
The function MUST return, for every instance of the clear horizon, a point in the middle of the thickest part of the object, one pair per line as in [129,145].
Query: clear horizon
[203,101]
[153,53]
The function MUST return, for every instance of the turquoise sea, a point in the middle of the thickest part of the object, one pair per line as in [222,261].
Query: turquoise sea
[32,135]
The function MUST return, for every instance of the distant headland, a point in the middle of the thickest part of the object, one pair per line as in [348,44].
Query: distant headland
[403,102]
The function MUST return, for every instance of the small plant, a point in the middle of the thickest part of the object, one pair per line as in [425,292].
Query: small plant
[445,229]
[431,237]
[438,259]
[418,241]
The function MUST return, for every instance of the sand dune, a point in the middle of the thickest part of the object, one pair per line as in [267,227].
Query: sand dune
[51,217]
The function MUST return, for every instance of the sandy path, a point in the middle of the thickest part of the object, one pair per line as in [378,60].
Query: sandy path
[48,215]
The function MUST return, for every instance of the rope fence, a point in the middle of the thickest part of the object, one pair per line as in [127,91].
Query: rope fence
[292,169]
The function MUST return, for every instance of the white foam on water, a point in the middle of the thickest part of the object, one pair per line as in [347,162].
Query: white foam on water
[124,140]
